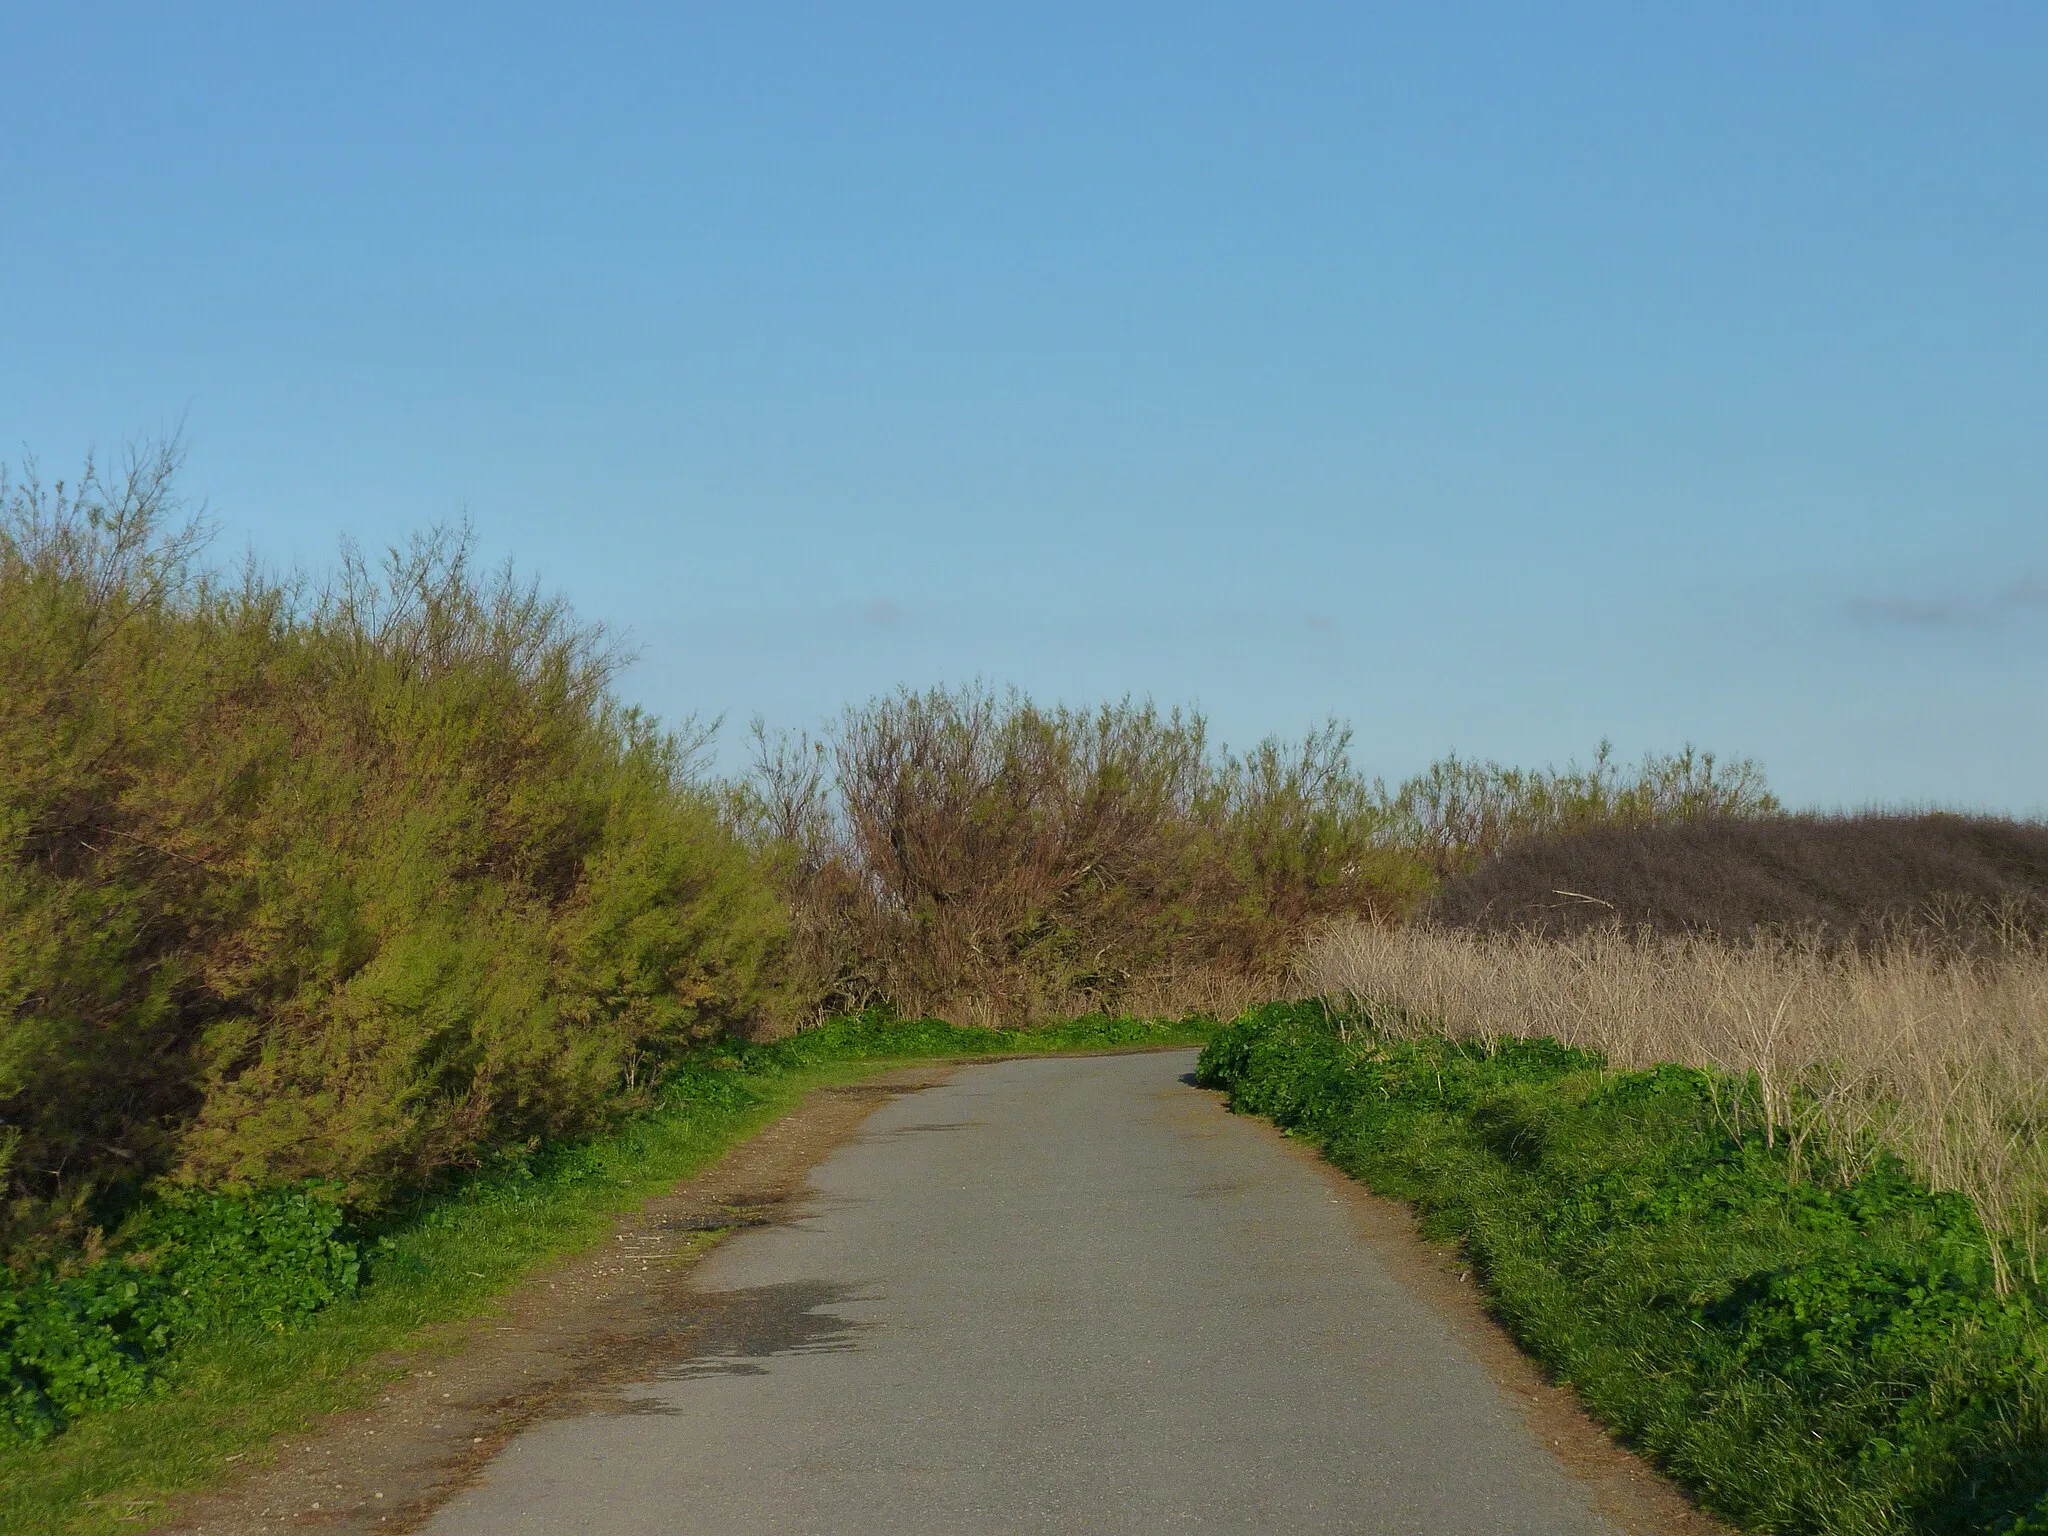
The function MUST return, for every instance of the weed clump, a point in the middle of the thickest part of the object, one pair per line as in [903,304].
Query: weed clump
[92,1335]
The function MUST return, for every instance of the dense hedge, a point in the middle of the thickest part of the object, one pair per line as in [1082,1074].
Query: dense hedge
[357,884]
[1808,1356]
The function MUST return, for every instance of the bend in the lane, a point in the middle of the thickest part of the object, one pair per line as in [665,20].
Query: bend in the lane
[1053,1295]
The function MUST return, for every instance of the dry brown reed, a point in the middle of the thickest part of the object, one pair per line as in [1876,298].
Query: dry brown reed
[1938,1056]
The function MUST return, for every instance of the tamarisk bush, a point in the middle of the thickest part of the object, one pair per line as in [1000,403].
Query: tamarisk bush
[351,882]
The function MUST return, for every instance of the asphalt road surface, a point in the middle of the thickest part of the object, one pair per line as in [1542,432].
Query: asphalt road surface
[1066,1295]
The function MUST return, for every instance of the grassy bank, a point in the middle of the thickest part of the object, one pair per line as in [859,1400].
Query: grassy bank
[1935,1054]
[1809,1347]
[222,1396]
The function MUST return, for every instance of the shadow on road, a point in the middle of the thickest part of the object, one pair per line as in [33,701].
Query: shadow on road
[739,1329]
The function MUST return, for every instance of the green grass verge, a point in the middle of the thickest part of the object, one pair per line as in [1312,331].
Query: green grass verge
[221,1399]
[1822,1353]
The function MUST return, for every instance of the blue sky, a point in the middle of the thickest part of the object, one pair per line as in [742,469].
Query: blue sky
[1494,377]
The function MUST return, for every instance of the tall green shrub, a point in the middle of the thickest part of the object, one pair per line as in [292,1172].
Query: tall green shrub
[350,883]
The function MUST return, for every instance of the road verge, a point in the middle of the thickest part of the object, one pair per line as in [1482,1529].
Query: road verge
[230,1404]
[1805,1353]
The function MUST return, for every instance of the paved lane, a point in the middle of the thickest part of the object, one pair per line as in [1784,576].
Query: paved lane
[1069,1296]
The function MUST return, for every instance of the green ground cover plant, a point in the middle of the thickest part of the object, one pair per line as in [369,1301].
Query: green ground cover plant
[1933,1051]
[151,1399]
[73,1342]
[1826,1350]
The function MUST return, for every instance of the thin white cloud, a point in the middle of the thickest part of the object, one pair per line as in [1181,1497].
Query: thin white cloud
[1951,611]
[874,613]
[1919,612]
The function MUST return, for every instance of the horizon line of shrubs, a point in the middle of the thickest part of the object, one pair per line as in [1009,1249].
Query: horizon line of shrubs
[360,880]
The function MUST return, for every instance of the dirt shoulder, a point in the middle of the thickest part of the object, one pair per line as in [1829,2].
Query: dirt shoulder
[563,1334]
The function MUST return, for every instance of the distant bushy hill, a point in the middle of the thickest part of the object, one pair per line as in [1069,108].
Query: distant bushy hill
[1844,878]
